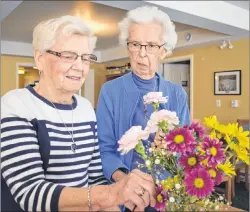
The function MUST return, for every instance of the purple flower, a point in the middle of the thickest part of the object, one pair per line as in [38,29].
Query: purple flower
[216,175]
[198,129]
[180,140]
[199,183]
[214,152]
[190,161]
[161,197]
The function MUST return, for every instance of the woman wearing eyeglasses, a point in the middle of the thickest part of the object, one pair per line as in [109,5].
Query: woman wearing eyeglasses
[50,158]
[149,36]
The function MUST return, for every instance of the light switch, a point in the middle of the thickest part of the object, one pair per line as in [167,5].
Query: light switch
[235,103]
[218,103]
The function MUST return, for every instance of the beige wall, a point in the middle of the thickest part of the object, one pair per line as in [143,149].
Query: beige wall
[21,81]
[9,72]
[208,60]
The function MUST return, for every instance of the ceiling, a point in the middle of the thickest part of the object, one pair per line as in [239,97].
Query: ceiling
[242,4]
[19,25]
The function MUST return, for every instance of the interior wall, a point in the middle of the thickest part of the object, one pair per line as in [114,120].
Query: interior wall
[210,59]
[9,71]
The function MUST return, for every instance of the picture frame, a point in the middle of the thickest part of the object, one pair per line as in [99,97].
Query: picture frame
[227,82]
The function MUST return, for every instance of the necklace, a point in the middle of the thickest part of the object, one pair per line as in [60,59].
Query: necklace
[73,145]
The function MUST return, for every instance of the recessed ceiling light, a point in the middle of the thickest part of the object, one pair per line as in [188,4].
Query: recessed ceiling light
[20,71]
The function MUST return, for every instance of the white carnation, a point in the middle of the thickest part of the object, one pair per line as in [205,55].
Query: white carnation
[163,115]
[154,97]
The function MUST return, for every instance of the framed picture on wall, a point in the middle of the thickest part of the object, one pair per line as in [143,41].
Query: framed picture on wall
[227,82]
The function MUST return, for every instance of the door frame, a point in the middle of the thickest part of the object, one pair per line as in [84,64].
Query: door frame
[29,65]
[191,75]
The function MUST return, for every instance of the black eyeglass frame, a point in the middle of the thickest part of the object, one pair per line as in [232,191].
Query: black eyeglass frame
[159,46]
[92,57]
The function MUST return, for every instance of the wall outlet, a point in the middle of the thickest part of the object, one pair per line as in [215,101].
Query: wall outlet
[218,103]
[235,103]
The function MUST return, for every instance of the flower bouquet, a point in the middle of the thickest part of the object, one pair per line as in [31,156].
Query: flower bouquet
[195,158]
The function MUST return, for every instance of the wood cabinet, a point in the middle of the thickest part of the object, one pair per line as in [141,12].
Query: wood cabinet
[114,76]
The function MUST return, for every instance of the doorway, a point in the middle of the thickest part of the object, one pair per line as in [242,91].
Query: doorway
[180,71]
[27,74]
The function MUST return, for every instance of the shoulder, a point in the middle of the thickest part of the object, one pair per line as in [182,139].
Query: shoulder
[14,104]
[13,101]
[83,102]
[84,105]
[14,95]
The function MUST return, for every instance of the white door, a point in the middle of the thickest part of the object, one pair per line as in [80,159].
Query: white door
[179,74]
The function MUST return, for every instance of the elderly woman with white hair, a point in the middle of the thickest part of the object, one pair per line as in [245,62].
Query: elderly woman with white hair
[149,36]
[49,148]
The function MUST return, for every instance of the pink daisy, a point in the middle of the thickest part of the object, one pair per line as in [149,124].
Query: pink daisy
[199,183]
[197,129]
[190,161]
[216,175]
[180,140]
[161,197]
[214,152]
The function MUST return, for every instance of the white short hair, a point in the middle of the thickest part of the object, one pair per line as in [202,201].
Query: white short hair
[46,32]
[148,14]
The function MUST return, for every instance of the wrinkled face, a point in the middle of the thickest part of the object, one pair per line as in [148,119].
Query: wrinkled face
[145,64]
[58,71]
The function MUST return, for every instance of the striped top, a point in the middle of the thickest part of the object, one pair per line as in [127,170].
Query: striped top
[37,160]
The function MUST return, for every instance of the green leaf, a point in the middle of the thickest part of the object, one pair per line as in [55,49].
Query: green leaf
[193,199]
[140,149]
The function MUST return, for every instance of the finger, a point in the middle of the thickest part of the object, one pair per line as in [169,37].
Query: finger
[146,199]
[130,205]
[144,195]
[146,184]
[149,187]
[143,175]
[137,201]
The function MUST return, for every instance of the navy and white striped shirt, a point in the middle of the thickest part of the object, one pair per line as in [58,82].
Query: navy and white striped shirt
[37,160]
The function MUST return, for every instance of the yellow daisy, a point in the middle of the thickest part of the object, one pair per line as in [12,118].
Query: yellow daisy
[238,136]
[213,134]
[168,184]
[176,179]
[204,162]
[242,154]
[227,168]
[211,122]
[222,130]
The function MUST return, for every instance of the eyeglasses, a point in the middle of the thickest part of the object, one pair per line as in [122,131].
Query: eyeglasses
[150,48]
[70,57]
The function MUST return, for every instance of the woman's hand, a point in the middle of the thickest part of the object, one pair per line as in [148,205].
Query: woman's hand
[134,190]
